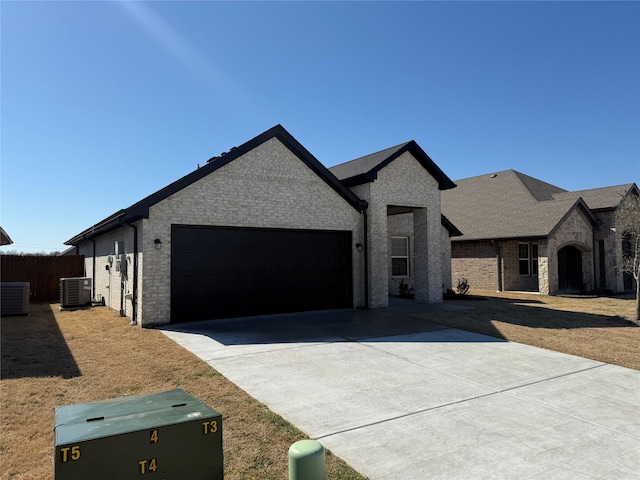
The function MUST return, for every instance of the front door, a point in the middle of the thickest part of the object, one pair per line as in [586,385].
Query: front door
[570,269]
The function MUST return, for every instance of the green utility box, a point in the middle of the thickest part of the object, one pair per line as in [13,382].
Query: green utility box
[168,436]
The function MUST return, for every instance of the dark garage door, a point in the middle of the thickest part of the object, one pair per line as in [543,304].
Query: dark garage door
[235,272]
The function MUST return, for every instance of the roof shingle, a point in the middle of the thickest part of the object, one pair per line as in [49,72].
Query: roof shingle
[598,198]
[510,204]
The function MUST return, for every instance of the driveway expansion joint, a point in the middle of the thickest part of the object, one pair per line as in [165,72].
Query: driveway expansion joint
[507,391]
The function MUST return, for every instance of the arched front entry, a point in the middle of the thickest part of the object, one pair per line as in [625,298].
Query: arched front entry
[570,269]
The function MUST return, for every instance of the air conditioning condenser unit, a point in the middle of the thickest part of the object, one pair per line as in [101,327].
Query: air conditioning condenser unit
[14,298]
[75,292]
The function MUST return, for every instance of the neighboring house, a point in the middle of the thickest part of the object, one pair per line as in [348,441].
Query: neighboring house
[266,228]
[520,233]
[4,238]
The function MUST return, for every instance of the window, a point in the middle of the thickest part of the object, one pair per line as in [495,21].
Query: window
[528,258]
[399,256]
[523,258]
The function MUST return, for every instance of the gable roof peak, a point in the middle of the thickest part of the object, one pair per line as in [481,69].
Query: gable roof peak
[140,209]
[601,198]
[365,169]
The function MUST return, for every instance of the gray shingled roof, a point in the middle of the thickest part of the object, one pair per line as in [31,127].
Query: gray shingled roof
[539,190]
[507,204]
[598,198]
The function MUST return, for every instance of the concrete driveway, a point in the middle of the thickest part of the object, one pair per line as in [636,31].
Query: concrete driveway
[400,398]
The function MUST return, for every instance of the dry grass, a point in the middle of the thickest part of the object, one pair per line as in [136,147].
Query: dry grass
[597,328]
[57,358]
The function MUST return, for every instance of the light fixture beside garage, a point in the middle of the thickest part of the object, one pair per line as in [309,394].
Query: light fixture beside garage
[158,243]
[359,247]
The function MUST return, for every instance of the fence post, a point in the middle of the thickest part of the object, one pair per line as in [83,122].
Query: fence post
[306,461]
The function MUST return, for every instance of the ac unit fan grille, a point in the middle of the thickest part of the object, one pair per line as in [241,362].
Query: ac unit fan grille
[75,292]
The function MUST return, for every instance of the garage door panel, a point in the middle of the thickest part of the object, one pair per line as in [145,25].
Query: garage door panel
[230,272]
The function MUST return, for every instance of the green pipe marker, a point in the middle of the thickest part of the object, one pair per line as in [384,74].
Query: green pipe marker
[306,461]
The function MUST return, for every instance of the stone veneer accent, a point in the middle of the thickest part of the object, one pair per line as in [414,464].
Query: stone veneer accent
[575,230]
[494,265]
[614,279]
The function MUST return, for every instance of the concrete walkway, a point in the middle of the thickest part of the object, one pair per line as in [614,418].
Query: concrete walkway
[400,398]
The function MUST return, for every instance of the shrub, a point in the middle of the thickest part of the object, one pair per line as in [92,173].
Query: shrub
[463,286]
[404,290]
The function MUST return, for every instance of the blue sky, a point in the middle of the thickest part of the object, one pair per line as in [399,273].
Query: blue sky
[103,103]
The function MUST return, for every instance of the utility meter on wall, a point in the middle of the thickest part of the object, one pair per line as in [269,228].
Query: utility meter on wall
[121,264]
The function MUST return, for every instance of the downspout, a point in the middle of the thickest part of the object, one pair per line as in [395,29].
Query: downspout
[134,295]
[122,280]
[122,289]
[93,274]
[363,206]
[599,288]
[498,265]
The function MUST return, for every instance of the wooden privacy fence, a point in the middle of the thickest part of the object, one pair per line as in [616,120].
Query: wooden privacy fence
[43,273]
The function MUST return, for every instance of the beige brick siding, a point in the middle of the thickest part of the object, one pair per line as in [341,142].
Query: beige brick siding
[478,262]
[475,261]
[512,279]
[401,226]
[404,182]
[446,259]
[267,187]
[492,265]
[109,283]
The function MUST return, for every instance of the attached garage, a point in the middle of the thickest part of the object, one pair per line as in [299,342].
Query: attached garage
[264,229]
[219,272]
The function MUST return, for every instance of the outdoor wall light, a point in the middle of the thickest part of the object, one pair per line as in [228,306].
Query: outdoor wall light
[359,247]
[157,243]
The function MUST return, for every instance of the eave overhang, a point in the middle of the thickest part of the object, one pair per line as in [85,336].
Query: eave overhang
[451,228]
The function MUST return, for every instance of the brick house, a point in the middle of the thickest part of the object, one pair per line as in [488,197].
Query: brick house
[266,228]
[523,234]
